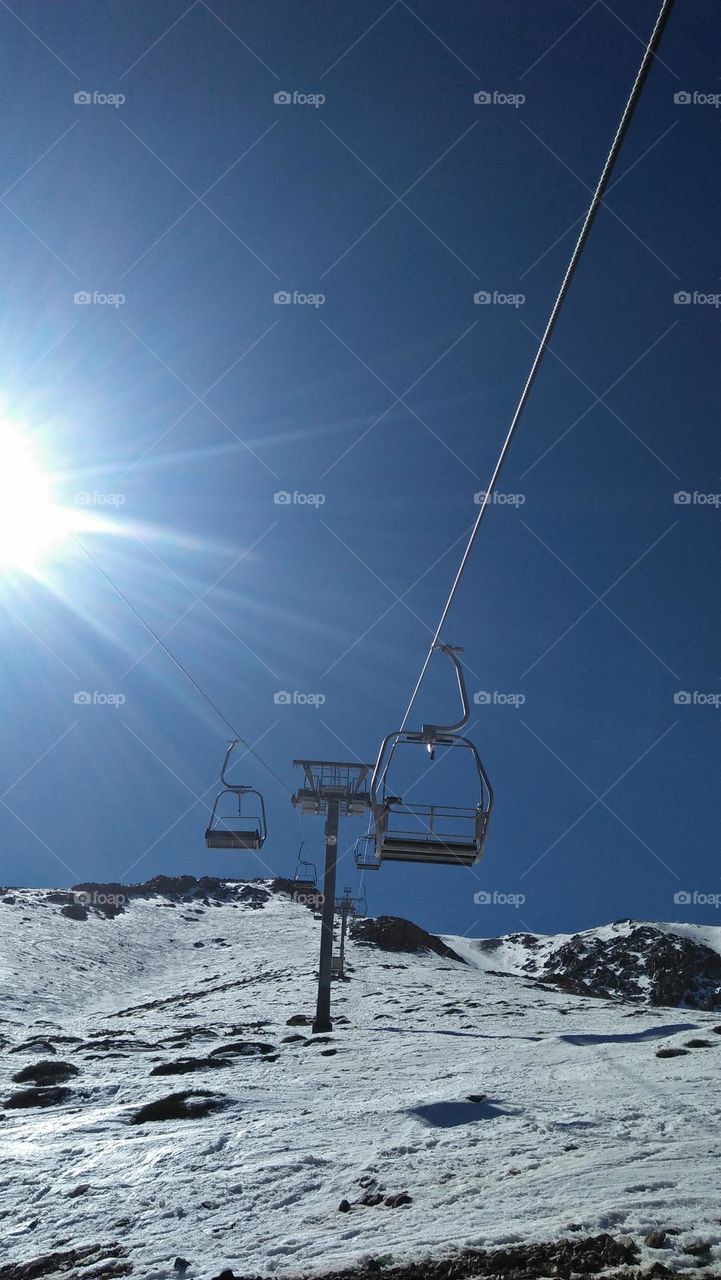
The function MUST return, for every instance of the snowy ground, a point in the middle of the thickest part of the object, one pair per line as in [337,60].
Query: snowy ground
[583,1129]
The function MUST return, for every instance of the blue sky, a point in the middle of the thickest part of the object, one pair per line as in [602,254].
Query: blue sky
[182,407]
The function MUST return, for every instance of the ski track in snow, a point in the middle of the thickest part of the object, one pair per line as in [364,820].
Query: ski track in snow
[581,1129]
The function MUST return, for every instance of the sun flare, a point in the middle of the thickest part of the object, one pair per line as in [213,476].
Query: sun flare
[31,522]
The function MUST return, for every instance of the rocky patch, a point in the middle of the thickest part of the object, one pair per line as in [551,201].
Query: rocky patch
[51,1096]
[243,1049]
[182,1066]
[46,1073]
[104,1259]
[638,962]
[191,1104]
[392,933]
[519,1262]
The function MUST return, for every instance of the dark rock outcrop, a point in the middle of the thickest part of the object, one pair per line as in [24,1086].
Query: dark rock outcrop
[46,1073]
[636,962]
[49,1096]
[104,1257]
[641,963]
[514,1262]
[191,1104]
[392,933]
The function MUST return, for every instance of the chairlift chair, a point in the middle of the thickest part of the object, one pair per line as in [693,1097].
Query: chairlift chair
[444,834]
[243,828]
[365,854]
[305,881]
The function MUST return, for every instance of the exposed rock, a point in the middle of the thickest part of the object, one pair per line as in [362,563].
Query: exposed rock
[515,1262]
[34,1046]
[191,1104]
[57,1264]
[46,1073]
[655,1240]
[242,1049]
[182,1066]
[74,911]
[671,1053]
[392,933]
[698,1248]
[635,962]
[47,1097]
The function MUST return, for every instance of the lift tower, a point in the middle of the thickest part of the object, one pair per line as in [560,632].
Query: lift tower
[335,790]
[345,907]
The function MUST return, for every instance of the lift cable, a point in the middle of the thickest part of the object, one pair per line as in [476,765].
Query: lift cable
[159,640]
[593,208]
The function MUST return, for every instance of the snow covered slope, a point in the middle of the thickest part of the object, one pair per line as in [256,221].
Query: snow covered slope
[506,1112]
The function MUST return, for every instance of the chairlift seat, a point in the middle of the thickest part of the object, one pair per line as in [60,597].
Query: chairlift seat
[305,887]
[449,852]
[219,838]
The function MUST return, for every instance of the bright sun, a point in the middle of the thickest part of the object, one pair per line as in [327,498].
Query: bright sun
[30,520]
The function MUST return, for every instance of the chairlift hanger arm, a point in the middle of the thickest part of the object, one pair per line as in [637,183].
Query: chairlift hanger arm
[452,652]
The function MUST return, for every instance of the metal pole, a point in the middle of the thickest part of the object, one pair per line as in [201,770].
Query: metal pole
[345,911]
[322,1013]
